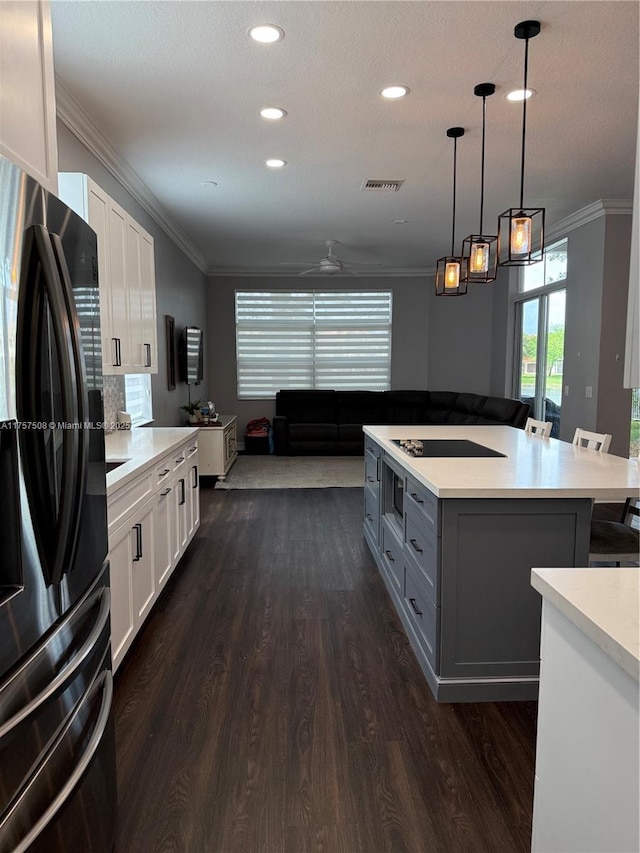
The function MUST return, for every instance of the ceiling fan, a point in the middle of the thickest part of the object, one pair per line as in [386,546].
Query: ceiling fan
[331,264]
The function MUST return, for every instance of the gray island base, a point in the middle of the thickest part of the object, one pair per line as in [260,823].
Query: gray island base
[457,559]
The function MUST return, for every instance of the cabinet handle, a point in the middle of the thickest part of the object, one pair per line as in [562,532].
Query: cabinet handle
[195,477]
[165,472]
[184,496]
[180,460]
[371,479]
[412,602]
[390,556]
[416,498]
[118,361]
[192,449]
[415,546]
[369,517]
[138,530]
[378,460]
[165,493]
[148,359]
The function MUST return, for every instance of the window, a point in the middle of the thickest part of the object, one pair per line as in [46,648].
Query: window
[540,322]
[312,339]
[634,437]
[137,396]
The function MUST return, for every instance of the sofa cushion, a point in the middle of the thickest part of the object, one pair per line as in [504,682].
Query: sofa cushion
[500,410]
[313,432]
[360,407]
[404,407]
[350,432]
[440,405]
[308,407]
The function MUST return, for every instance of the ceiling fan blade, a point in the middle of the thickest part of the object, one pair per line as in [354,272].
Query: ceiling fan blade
[295,263]
[313,269]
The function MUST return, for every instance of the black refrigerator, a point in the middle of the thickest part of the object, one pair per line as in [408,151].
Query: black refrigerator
[57,755]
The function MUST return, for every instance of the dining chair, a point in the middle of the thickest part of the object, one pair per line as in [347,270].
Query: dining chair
[616,541]
[541,428]
[592,440]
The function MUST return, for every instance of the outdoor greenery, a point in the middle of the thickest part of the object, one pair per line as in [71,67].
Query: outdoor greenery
[555,347]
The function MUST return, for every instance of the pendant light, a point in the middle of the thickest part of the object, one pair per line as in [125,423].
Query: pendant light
[480,250]
[451,270]
[521,230]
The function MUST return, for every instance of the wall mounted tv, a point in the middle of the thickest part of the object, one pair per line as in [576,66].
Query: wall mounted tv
[191,355]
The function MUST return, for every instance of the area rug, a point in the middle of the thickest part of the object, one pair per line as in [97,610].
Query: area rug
[294,472]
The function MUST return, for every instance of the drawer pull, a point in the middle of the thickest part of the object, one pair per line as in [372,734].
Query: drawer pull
[165,493]
[371,480]
[416,498]
[194,448]
[390,556]
[180,460]
[415,546]
[164,473]
[369,517]
[412,602]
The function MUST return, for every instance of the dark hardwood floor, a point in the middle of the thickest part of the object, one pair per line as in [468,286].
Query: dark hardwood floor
[272,703]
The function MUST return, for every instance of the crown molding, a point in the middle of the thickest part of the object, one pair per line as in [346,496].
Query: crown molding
[602,207]
[81,125]
[274,272]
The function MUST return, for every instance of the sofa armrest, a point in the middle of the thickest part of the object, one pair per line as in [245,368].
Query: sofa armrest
[280,435]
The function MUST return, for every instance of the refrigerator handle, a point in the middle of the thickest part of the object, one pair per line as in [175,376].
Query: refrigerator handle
[81,461]
[52,523]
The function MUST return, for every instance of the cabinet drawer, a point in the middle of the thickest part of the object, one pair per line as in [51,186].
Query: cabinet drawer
[371,472]
[424,502]
[392,556]
[372,514]
[423,615]
[371,447]
[178,458]
[422,545]
[163,469]
[123,502]
[191,448]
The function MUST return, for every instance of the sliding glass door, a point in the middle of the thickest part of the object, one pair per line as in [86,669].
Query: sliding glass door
[540,324]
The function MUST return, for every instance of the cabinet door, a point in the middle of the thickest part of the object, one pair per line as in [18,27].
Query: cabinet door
[193,514]
[180,491]
[163,544]
[142,566]
[148,303]
[98,218]
[138,352]
[27,94]
[117,287]
[122,621]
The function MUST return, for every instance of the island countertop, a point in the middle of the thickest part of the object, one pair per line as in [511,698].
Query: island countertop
[532,467]
[602,603]
[141,447]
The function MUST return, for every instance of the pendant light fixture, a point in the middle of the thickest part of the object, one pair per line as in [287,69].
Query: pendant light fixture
[521,230]
[480,250]
[451,270]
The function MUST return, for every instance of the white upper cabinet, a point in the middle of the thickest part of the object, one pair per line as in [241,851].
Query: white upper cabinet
[126,273]
[27,93]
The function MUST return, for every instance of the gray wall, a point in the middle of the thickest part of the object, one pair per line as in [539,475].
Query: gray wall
[180,285]
[410,352]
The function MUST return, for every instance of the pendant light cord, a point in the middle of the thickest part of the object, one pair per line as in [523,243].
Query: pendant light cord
[524,119]
[484,116]
[453,218]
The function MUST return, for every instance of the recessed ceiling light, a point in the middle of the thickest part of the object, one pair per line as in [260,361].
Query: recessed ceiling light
[275,163]
[208,183]
[266,33]
[273,113]
[393,92]
[400,221]
[519,94]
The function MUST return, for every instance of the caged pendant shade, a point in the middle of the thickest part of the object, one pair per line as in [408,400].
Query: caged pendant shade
[481,250]
[451,271]
[521,229]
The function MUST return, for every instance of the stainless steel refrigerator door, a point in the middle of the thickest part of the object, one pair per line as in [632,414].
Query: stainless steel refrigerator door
[50,393]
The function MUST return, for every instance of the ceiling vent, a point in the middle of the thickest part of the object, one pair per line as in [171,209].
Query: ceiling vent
[382,186]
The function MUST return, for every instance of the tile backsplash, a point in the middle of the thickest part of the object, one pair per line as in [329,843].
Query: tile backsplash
[113,400]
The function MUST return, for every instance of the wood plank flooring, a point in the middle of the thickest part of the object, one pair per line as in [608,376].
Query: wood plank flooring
[272,704]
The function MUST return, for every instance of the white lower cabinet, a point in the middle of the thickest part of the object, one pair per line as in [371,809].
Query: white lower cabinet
[147,538]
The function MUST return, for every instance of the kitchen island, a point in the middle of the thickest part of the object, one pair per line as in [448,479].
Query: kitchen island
[455,539]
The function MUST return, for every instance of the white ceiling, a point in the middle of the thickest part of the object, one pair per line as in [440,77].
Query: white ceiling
[175,88]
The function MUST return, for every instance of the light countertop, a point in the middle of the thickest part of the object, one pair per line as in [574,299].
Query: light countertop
[601,602]
[532,467]
[142,447]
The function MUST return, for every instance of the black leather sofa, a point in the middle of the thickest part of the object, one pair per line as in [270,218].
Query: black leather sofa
[329,423]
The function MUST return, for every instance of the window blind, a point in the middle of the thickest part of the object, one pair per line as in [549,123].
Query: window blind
[137,394]
[312,339]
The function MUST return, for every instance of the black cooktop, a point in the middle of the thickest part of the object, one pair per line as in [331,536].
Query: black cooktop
[442,447]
